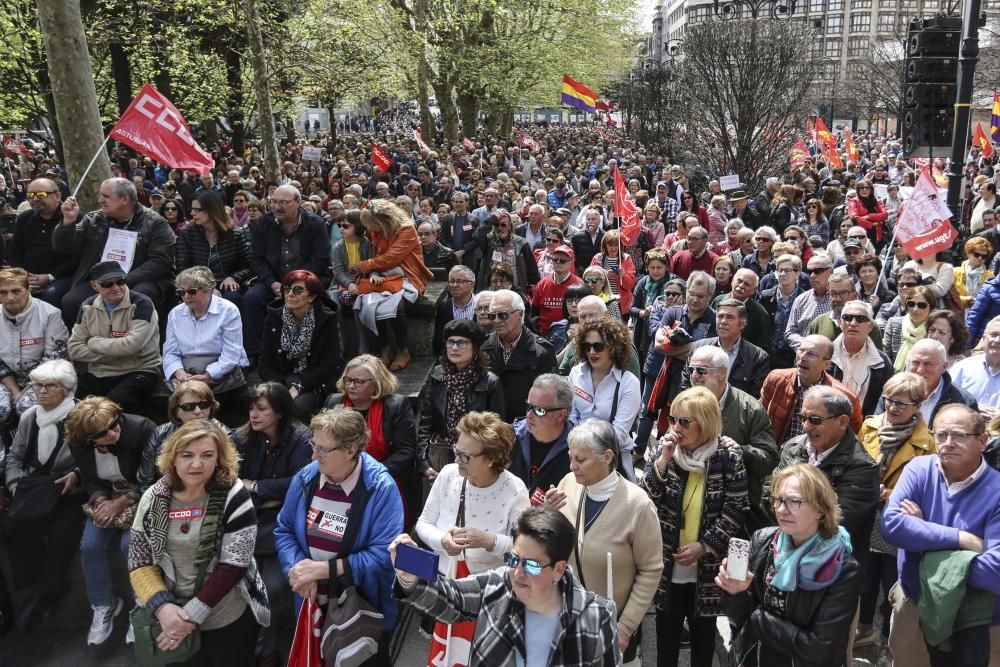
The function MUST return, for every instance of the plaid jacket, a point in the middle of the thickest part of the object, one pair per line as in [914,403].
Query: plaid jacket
[587,637]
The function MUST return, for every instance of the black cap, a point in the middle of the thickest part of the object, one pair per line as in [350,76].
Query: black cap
[106,271]
[465,329]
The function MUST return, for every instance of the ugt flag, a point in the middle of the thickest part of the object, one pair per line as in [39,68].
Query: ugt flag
[625,209]
[924,226]
[153,126]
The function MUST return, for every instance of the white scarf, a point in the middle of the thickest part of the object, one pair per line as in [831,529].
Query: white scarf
[48,432]
[697,460]
[601,491]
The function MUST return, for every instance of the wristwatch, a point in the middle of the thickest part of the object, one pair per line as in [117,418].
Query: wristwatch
[52,278]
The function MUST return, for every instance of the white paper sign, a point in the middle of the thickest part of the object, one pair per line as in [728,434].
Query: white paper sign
[311,153]
[731,182]
[120,247]
[881,190]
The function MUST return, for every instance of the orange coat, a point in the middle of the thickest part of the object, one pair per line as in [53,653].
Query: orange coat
[778,398]
[403,250]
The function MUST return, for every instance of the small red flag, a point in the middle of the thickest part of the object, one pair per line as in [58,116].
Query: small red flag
[380,160]
[153,126]
[468,144]
[824,134]
[981,139]
[625,209]
[797,156]
[418,135]
[600,105]
[527,142]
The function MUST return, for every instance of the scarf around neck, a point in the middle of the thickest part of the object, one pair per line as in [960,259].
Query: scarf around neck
[459,384]
[696,461]
[297,340]
[891,437]
[654,288]
[911,334]
[973,278]
[812,566]
[47,422]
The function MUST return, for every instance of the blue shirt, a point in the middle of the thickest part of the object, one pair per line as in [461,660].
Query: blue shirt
[219,333]
[539,631]
[973,375]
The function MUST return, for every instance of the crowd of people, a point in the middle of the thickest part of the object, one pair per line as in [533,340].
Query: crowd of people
[604,418]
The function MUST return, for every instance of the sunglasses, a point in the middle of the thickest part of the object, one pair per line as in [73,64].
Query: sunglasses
[167,209]
[673,295]
[540,411]
[910,303]
[189,291]
[815,420]
[684,422]
[531,567]
[762,239]
[818,271]
[91,439]
[560,260]
[39,195]
[860,319]
[592,281]
[194,209]
[980,255]
[597,347]
[503,315]
[499,225]
[907,285]
[293,289]
[702,370]
[195,405]
[108,284]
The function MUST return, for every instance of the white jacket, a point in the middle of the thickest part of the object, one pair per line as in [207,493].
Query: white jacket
[37,334]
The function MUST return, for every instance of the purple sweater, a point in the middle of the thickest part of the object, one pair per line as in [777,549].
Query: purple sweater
[974,510]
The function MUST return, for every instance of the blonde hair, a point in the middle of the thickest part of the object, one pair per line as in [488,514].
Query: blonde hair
[595,270]
[816,490]
[384,216]
[88,416]
[344,425]
[493,433]
[703,408]
[14,275]
[227,467]
[201,391]
[908,384]
[385,381]
[196,276]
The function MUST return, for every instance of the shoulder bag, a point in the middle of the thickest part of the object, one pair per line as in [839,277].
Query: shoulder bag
[36,495]
[353,627]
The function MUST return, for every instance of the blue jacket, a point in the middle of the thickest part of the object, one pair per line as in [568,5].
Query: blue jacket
[375,521]
[983,309]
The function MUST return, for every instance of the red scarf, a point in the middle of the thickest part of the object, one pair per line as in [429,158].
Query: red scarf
[376,447]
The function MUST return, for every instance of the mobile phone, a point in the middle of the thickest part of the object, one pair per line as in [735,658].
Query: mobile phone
[417,561]
[738,559]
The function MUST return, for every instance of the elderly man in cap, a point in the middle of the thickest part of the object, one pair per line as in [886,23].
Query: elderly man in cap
[547,301]
[739,207]
[117,337]
[49,271]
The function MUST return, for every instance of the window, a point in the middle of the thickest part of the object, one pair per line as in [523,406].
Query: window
[834,25]
[857,46]
[835,6]
[816,6]
[886,22]
[861,22]
[817,48]
[861,4]
[833,48]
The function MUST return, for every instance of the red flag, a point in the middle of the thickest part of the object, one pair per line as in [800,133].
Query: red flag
[625,209]
[981,139]
[924,227]
[601,105]
[307,642]
[797,156]
[527,142]
[380,160]
[811,129]
[823,133]
[154,127]
[611,121]
[832,157]
[418,135]
[468,144]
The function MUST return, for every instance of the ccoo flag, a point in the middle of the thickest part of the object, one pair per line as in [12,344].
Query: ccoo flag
[577,95]
[995,119]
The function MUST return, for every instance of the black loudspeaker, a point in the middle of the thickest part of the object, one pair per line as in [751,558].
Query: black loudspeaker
[930,82]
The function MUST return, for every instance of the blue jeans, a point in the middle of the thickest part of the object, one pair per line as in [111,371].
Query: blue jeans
[94,559]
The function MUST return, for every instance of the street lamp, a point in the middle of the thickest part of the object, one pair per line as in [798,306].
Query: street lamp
[734,9]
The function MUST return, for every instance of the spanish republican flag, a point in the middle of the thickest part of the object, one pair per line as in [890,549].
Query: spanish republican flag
[575,94]
[979,138]
[995,120]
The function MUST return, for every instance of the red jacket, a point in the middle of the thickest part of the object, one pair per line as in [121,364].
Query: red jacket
[625,279]
[856,209]
[778,398]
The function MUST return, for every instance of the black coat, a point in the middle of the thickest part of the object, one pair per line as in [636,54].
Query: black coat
[532,357]
[324,362]
[584,249]
[812,631]
[294,453]
[486,396]
[950,393]
[879,375]
[134,438]
[268,241]
[747,373]
[193,250]
[554,466]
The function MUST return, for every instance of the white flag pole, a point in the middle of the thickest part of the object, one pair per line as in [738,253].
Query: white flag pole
[89,166]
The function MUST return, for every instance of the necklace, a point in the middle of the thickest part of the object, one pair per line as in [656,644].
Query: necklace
[188,514]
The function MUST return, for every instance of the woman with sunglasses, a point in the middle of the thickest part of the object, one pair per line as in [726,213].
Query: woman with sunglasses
[691,206]
[470,513]
[273,445]
[553,239]
[352,248]
[815,223]
[173,213]
[973,273]
[892,439]
[459,383]
[596,279]
[562,332]
[535,607]
[869,212]
[620,269]
[108,447]
[902,331]
[42,547]
[212,241]
[699,488]
[797,602]
[301,344]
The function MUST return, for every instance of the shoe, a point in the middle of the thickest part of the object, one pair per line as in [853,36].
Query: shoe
[130,635]
[685,635]
[401,361]
[864,637]
[103,622]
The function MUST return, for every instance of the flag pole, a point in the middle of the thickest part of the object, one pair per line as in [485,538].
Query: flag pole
[89,166]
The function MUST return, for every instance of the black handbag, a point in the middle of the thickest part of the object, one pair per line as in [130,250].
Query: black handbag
[35,497]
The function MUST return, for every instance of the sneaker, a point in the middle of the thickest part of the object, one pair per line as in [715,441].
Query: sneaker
[103,622]
[685,635]
[130,635]
[864,637]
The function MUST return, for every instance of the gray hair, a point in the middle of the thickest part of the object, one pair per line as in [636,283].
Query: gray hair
[466,272]
[598,435]
[933,346]
[771,182]
[858,303]
[835,401]
[485,295]
[735,223]
[740,307]
[701,278]
[59,370]
[196,276]
[718,356]
[995,320]
[794,260]
[769,231]
[516,302]
[537,207]
[593,299]
[564,393]
[839,277]
[124,189]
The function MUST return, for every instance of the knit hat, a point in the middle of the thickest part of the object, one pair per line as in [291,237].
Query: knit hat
[465,329]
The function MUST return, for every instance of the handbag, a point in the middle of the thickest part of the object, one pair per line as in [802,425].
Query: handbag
[953,301]
[35,497]
[124,519]
[391,284]
[353,628]
[197,365]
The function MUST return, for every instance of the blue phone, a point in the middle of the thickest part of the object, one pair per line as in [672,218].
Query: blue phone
[417,561]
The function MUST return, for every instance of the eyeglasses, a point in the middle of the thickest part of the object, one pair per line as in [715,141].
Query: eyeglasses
[893,403]
[792,239]
[697,238]
[958,437]
[850,318]
[195,405]
[458,343]
[108,284]
[91,439]
[842,294]
[502,315]
[910,303]
[531,567]
[194,210]
[786,270]
[455,282]
[356,382]
[540,411]
[815,420]
[500,225]
[45,386]
[791,504]
[818,271]
[187,291]
[322,451]
[597,347]
[673,295]
[463,457]
[812,206]
[702,370]
[684,422]
[297,290]
[39,195]
[863,187]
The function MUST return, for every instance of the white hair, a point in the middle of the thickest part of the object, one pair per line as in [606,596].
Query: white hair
[931,345]
[858,303]
[516,302]
[59,370]
[718,356]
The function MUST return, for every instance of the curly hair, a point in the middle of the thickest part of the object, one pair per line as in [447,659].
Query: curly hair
[614,334]
[227,466]
[493,433]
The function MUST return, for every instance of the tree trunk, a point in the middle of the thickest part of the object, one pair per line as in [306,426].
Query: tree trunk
[468,109]
[492,122]
[506,122]
[234,100]
[121,70]
[269,142]
[446,102]
[74,95]
[426,120]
